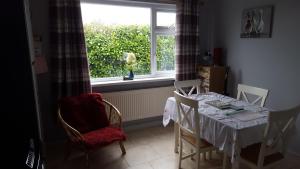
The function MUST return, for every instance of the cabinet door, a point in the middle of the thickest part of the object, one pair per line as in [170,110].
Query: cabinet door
[217,79]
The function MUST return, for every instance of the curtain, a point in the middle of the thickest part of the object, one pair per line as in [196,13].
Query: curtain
[69,64]
[187,38]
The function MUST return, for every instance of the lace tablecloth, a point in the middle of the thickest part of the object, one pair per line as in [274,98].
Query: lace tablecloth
[225,129]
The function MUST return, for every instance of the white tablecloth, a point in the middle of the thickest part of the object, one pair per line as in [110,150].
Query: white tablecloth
[227,132]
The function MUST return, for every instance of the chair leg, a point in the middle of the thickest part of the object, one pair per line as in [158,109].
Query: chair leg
[176,137]
[224,160]
[180,154]
[198,159]
[122,147]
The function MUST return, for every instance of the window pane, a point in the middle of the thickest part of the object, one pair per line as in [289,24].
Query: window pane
[165,52]
[166,19]
[110,32]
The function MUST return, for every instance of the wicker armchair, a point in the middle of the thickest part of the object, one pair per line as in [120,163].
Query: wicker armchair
[105,122]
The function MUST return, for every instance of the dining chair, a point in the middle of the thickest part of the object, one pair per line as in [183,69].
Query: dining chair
[90,123]
[182,86]
[245,90]
[189,132]
[187,88]
[271,151]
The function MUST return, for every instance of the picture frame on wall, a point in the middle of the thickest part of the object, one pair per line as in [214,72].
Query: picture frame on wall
[257,22]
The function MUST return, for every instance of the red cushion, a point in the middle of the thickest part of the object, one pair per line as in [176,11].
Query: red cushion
[102,137]
[85,112]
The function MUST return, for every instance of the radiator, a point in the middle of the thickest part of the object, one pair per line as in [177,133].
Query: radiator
[140,104]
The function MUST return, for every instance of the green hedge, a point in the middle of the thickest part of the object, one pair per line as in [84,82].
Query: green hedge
[106,46]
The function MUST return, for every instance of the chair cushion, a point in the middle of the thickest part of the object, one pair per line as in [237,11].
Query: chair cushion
[251,154]
[102,137]
[85,112]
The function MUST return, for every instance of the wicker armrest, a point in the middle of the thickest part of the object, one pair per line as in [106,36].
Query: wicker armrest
[114,115]
[73,134]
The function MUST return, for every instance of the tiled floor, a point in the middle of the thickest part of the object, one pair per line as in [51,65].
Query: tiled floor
[148,148]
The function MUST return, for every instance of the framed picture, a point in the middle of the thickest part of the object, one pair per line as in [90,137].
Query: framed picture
[257,22]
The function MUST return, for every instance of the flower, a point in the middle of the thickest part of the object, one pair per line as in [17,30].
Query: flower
[130,58]
[130,61]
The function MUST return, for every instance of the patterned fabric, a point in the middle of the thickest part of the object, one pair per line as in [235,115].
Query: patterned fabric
[85,112]
[103,137]
[69,64]
[187,38]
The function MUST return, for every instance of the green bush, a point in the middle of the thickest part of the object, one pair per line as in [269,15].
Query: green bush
[165,52]
[106,46]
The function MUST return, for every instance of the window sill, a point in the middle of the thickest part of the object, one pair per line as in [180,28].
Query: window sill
[135,81]
[123,85]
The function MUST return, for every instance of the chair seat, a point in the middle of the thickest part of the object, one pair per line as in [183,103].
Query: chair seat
[192,139]
[251,154]
[103,136]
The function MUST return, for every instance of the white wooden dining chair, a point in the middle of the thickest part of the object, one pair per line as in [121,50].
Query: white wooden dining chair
[271,151]
[181,86]
[245,90]
[189,132]
[187,88]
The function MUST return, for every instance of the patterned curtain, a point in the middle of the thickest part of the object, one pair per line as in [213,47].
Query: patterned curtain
[187,38]
[69,64]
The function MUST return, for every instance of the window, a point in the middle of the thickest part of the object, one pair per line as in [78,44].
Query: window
[112,30]
[164,33]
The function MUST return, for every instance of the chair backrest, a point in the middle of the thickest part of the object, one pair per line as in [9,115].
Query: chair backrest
[277,132]
[85,112]
[261,94]
[187,113]
[181,86]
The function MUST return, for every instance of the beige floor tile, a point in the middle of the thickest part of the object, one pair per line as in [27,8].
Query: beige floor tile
[168,162]
[163,147]
[107,156]
[141,166]
[140,154]
[115,164]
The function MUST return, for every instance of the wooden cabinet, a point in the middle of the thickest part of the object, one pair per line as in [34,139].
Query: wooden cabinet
[213,78]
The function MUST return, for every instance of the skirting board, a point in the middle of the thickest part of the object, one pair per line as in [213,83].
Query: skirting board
[143,123]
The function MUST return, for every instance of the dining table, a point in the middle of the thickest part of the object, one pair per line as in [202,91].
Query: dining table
[229,128]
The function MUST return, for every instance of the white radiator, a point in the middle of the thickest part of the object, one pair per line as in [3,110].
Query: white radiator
[140,104]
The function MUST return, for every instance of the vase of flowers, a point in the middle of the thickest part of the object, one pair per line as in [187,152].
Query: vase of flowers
[130,64]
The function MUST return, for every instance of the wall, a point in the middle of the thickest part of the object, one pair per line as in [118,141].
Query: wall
[40,25]
[271,63]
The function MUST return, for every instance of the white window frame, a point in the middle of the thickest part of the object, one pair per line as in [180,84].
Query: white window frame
[159,30]
[155,30]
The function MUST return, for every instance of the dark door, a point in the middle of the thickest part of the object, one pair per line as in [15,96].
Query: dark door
[19,127]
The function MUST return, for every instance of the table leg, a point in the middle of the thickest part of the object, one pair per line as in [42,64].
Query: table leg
[235,158]
[176,137]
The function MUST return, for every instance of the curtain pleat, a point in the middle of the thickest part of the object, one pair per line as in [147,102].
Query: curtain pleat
[187,38]
[69,63]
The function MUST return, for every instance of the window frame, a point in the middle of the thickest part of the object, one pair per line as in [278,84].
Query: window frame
[155,30]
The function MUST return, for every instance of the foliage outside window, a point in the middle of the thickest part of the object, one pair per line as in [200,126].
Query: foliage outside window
[107,43]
